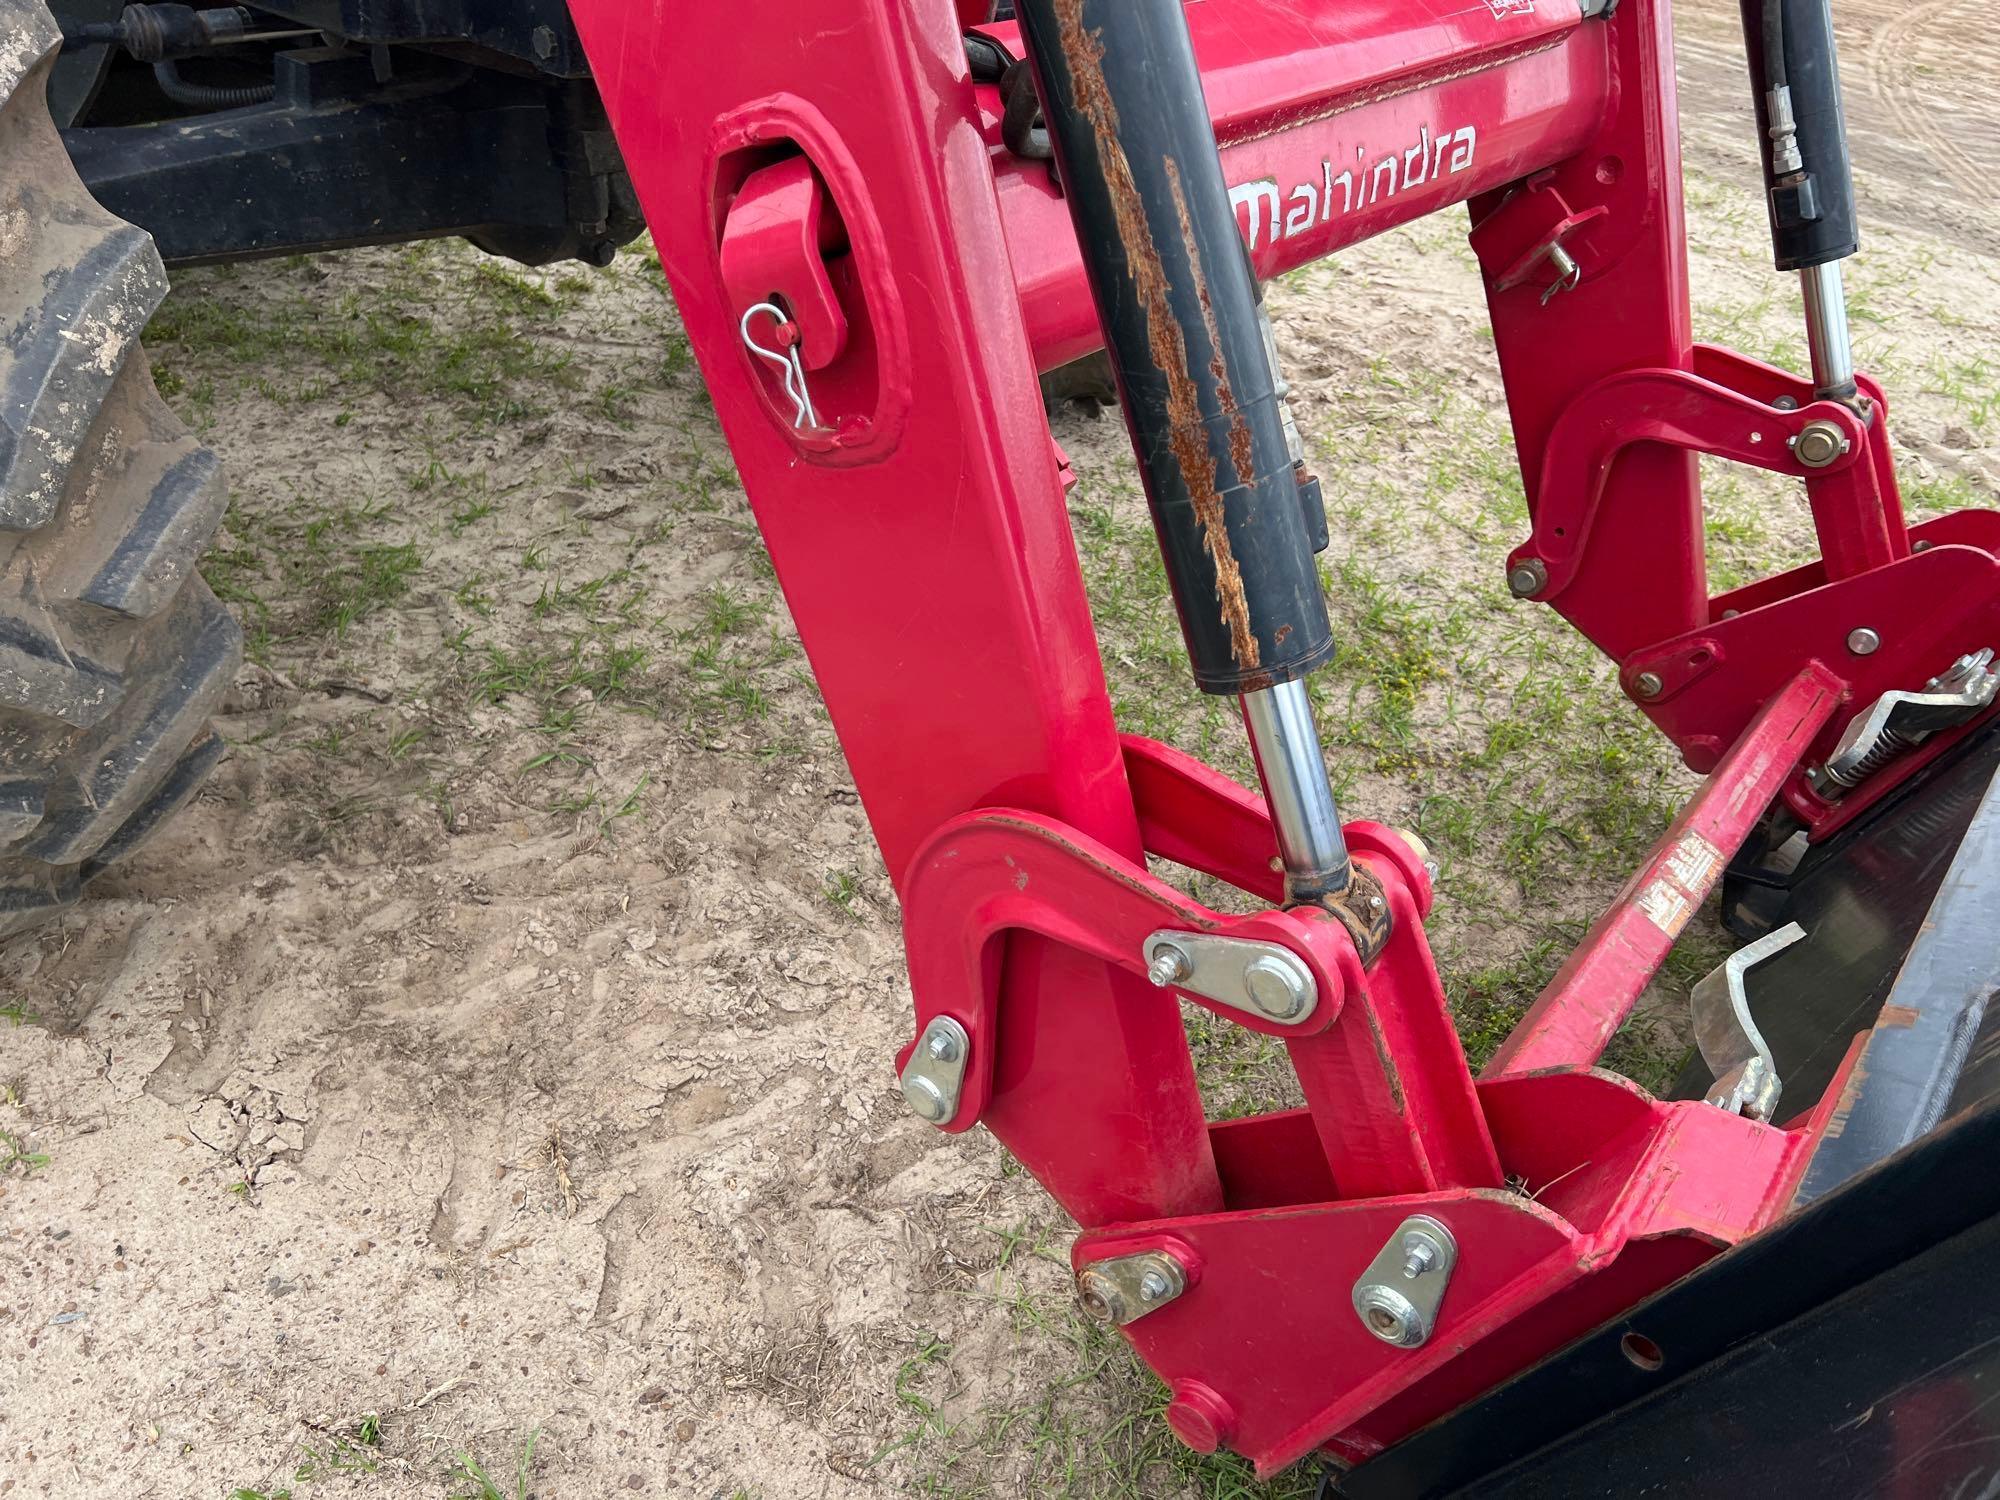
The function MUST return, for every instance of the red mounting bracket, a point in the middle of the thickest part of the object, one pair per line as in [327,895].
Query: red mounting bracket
[775,239]
[1527,230]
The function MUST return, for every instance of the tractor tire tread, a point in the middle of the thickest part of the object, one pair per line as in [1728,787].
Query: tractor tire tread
[114,654]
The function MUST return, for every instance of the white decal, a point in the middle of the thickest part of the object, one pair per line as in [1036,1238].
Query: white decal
[1681,883]
[1266,215]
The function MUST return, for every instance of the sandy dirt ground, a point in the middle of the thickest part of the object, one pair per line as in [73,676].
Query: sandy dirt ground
[497,1056]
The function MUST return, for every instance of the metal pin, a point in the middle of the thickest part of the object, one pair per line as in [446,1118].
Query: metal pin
[1568,273]
[787,360]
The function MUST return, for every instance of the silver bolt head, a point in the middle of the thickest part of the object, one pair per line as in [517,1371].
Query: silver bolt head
[1648,685]
[1100,1297]
[1153,1286]
[1390,1316]
[1863,642]
[1275,988]
[1819,444]
[942,1046]
[1787,403]
[926,1098]
[1527,578]
[1169,965]
[1420,1253]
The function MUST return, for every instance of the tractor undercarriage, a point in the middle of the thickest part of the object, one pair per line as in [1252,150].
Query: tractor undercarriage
[875,248]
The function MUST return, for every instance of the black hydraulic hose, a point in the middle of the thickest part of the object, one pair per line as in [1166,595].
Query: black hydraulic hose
[167,74]
[1774,45]
[93,33]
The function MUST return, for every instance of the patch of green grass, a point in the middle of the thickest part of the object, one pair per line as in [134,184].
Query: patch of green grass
[1081,1420]
[469,513]
[14,1153]
[302,573]
[334,1456]
[1972,386]
[339,1455]
[1925,498]
[492,363]
[368,579]
[731,662]
[511,289]
[628,807]
[470,1471]
[843,888]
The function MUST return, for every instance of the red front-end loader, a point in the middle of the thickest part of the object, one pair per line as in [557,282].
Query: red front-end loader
[880,222]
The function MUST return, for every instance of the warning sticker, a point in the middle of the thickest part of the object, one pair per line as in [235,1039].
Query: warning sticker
[1684,877]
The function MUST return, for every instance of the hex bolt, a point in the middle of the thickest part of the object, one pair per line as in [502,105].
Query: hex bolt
[1399,1295]
[942,1046]
[1527,578]
[1419,1255]
[1169,966]
[1274,988]
[1124,1288]
[1648,685]
[1819,444]
[1863,642]
[1787,403]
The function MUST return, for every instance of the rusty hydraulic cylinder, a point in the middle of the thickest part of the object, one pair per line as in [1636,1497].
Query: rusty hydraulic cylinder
[1178,302]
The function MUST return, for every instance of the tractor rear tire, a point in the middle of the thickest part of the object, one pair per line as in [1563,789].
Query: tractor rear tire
[113,652]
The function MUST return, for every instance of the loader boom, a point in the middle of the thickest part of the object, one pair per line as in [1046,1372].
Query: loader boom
[875,244]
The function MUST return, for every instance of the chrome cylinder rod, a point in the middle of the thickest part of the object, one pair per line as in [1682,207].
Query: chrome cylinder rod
[1827,337]
[1286,743]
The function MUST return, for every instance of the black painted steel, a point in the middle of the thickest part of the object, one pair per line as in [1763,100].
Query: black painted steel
[538,33]
[1853,1349]
[1174,291]
[1901,909]
[1934,1043]
[523,166]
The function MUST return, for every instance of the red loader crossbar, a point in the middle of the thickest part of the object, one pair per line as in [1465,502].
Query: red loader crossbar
[879,230]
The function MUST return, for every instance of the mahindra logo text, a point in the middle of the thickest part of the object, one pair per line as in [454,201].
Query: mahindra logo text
[1263,214]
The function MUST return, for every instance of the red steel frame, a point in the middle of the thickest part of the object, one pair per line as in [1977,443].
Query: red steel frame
[851,169]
